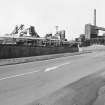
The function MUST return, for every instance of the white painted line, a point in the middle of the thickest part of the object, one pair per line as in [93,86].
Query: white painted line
[55,67]
[51,68]
[19,75]
[24,74]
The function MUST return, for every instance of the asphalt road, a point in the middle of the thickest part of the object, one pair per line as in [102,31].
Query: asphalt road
[21,84]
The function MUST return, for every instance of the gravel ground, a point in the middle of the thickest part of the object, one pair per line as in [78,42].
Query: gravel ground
[83,92]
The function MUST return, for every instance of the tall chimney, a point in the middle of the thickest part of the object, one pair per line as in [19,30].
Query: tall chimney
[94,17]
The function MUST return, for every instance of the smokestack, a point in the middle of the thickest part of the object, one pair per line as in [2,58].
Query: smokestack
[56,28]
[94,17]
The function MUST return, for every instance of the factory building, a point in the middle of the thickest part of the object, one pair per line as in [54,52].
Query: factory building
[91,31]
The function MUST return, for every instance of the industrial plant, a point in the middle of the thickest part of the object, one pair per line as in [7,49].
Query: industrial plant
[25,41]
[91,35]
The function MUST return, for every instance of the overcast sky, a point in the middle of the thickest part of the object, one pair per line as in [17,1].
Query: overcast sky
[70,15]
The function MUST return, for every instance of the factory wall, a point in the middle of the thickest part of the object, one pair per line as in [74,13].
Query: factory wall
[13,51]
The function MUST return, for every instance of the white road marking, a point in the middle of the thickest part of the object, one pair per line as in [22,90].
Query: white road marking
[55,67]
[19,75]
[24,74]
